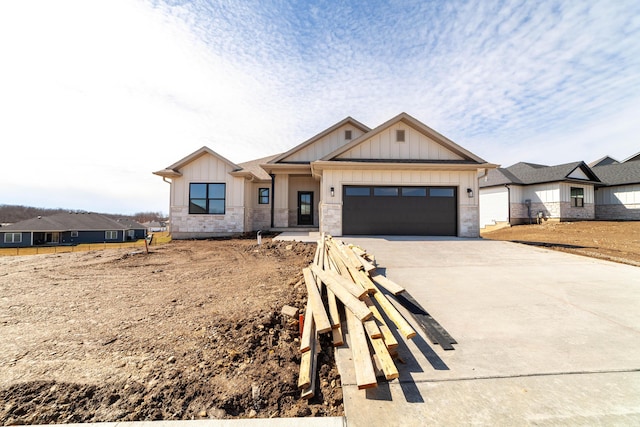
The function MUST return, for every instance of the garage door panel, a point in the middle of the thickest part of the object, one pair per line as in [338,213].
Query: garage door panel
[408,210]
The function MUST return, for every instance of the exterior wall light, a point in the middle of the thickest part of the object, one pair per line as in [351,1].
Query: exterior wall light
[333,191]
[470,193]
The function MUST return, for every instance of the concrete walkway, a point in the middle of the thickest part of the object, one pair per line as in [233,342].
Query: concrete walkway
[544,338]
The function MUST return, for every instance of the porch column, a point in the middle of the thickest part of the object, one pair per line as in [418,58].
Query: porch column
[281,201]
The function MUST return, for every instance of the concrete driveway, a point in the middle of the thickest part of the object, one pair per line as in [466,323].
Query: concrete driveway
[544,338]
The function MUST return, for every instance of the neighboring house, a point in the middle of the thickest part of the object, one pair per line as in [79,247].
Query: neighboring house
[619,196]
[400,178]
[70,229]
[155,226]
[524,192]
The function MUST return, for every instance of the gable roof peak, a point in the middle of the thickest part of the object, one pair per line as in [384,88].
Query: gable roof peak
[346,120]
[173,170]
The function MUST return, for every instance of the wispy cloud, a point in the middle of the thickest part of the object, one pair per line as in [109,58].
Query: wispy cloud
[98,94]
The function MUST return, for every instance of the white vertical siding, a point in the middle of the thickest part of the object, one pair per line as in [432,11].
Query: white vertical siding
[207,168]
[324,146]
[416,146]
[494,205]
[565,192]
[542,193]
[620,195]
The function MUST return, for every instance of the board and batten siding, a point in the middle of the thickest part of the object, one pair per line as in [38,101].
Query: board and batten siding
[494,205]
[325,145]
[416,146]
[331,207]
[620,195]
[208,169]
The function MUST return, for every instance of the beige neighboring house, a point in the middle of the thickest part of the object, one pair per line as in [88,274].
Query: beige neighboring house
[400,178]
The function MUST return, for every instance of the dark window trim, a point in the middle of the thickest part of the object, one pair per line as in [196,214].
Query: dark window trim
[400,135]
[207,199]
[577,201]
[263,199]
[348,135]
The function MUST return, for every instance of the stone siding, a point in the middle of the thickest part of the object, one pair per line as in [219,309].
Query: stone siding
[469,221]
[617,212]
[331,219]
[186,226]
[559,211]
[281,218]
[571,213]
[258,219]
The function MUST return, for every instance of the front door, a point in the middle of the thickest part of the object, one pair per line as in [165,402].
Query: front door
[305,207]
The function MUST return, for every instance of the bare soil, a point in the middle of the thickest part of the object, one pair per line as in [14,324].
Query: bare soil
[191,330]
[613,241]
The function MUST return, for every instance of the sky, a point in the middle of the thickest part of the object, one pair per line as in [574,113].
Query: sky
[96,95]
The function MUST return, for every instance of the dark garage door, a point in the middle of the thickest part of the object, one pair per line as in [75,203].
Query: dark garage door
[422,211]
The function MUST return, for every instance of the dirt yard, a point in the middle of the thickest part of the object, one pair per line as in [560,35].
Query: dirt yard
[191,330]
[613,241]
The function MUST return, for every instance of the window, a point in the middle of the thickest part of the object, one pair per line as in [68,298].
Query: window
[357,191]
[347,135]
[110,235]
[577,197]
[13,237]
[207,198]
[441,192]
[263,196]
[400,135]
[74,234]
[385,191]
[414,192]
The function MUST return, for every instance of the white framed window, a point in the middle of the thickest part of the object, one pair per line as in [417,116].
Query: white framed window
[74,234]
[13,237]
[110,235]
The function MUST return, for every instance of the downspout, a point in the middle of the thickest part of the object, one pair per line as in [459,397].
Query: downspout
[273,197]
[508,203]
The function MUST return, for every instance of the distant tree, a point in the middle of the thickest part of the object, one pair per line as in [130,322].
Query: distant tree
[16,213]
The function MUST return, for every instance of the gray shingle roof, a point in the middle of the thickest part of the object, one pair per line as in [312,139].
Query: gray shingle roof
[619,174]
[73,222]
[253,166]
[530,173]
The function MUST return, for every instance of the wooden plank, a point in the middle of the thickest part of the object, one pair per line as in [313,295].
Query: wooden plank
[334,282]
[309,391]
[334,314]
[308,330]
[394,315]
[365,375]
[346,254]
[358,250]
[372,329]
[366,265]
[434,331]
[337,337]
[361,278]
[346,282]
[315,301]
[389,285]
[304,379]
[389,339]
[386,362]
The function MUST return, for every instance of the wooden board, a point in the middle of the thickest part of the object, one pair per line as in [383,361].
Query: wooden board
[365,375]
[389,285]
[387,335]
[335,283]
[384,358]
[434,331]
[394,315]
[315,301]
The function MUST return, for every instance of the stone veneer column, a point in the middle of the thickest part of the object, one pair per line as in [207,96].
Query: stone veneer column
[331,219]
[469,221]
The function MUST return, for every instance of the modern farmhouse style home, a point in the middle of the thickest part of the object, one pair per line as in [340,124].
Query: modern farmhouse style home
[400,178]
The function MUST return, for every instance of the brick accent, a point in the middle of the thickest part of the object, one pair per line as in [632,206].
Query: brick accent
[469,221]
[185,226]
[258,219]
[331,219]
[618,212]
[561,211]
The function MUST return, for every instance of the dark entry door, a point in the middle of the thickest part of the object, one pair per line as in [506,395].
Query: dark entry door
[305,207]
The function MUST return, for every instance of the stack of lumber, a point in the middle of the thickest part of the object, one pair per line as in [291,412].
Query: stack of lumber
[344,276]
